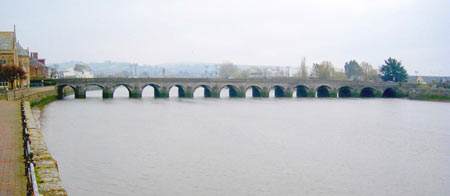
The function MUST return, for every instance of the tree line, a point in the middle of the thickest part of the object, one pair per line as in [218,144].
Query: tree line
[392,70]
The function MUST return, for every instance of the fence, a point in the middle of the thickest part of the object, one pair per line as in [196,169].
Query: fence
[32,188]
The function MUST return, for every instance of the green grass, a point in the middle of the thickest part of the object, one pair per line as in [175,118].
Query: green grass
[433,97]
[68,92]
[44,101]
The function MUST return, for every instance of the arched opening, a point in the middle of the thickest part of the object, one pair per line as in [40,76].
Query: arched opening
[345,91]
[176,91]
[228,91]
[367,92]
[121,91]
[66,92]
[323,91]
[301,91]
[202,91]
[389,93]
[253,91]
[150,90]
[277,91]
[94,91]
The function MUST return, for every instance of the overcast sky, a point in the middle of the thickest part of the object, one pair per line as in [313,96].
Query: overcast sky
[253,32]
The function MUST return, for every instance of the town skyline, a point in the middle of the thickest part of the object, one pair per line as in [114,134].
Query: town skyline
[278,34]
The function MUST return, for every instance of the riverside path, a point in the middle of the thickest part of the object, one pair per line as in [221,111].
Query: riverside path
[12,166]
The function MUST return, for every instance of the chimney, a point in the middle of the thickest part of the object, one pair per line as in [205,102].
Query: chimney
[34,55]
[42,61]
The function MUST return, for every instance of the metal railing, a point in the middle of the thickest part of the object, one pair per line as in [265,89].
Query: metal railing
[32,188]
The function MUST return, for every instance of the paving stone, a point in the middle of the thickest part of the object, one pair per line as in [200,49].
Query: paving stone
[12,166]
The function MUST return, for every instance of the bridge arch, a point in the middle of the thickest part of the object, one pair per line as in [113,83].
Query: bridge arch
[280,91]
[344,91]
[116,86]
[256,90]
[233,91]
[207,90]
[323,91]
[62,93]
[301,91]
[94,84]
[389,93]
[88,89]
[181,90]
[367,92]
[156,89]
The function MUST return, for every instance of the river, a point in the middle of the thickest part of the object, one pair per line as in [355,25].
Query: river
[249,146]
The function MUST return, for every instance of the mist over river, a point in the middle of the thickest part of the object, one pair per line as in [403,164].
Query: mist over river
[265,146]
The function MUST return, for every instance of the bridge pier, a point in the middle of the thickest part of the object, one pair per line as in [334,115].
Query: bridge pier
[378,93]
[80,92]
[60,92]
[186,93]
[288,93]
[214,93]
[238,94]
[311,93]
[355,93]
[333,93]
[136,93]
[107,92]
[208,93]
[264,93]
[163,92]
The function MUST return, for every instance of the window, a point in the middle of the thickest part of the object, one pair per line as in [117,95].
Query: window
[3,61]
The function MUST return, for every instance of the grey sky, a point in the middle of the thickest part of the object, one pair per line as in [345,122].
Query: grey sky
[252,32]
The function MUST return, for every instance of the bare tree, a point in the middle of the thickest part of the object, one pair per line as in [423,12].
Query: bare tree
[323,71]
[241,74]
[368,71]
[339,74]
[304,72]
[227,69]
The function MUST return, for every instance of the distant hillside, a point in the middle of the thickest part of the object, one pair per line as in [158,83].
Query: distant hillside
[181,69]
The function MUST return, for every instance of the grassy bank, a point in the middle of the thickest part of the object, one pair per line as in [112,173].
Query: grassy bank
[44,101]
[431,98]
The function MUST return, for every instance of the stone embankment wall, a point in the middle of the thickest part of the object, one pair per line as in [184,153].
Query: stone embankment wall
[429,94]
[49,182]
[29,94]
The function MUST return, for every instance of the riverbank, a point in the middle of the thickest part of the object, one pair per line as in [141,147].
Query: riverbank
[441,95]
[49,181]
[12,166]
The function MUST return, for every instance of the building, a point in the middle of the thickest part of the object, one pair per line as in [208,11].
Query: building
[12,53]
[420,80]
[38,70]
[255,72]
[79,71]
[428,79]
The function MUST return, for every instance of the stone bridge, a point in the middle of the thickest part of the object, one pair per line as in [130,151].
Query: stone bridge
[283,87]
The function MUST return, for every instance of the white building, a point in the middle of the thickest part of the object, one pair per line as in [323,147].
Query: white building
[79,71]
